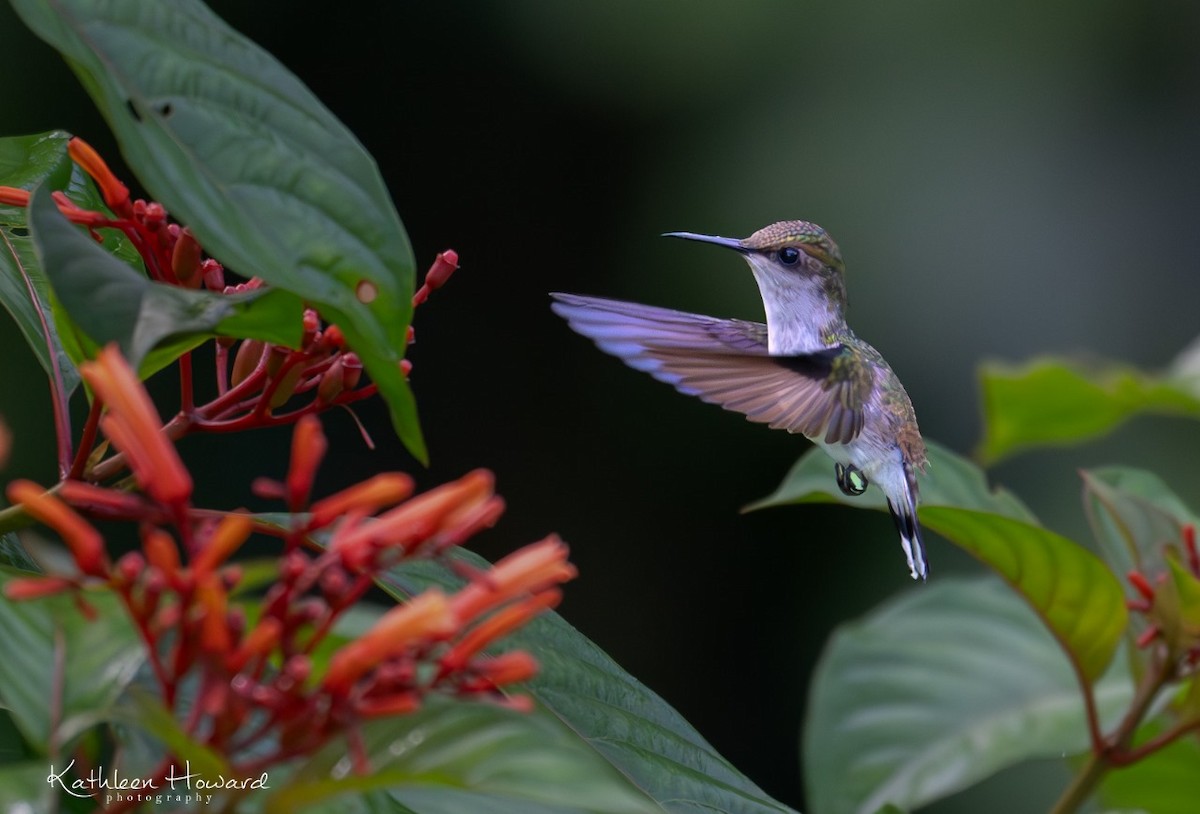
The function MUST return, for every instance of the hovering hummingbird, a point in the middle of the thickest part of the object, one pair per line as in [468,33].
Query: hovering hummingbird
[804,371]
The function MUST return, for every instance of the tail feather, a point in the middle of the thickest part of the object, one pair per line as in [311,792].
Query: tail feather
[904,513]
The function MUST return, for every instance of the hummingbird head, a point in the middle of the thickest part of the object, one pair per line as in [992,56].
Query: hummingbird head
[800,275]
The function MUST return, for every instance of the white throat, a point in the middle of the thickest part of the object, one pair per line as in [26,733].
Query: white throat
[798,311]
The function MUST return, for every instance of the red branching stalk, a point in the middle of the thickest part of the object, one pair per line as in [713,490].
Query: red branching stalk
[268,385]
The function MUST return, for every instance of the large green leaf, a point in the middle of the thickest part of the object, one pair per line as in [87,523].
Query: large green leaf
[949,480]
[613,713]
[607,710]
[1076,595]
[111,302]
[1053,402]
[935,691]
[450,753]
[1066,584]
[268,179]
[39,637]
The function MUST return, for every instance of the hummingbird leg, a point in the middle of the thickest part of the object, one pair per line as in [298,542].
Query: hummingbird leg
[850,479]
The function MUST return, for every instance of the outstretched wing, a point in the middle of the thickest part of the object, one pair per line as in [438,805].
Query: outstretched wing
[725,362]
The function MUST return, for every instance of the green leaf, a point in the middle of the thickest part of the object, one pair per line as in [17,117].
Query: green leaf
[13,554]
[111,302]
[1078,598]
[452,751]
[606,708]
[269,181]
[611,712]
[1134,516]
[949,480]
[1166,782]
[23,787]
[1054,402]
[39,637]
[141,709]
[26,163]
[936,690]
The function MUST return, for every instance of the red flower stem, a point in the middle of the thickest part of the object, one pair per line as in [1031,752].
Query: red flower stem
[149,639]
[1112,750]
[187,402]
[231,398]
[58,395]
[1173,734]
[87,441]
[252,420]
[221,368]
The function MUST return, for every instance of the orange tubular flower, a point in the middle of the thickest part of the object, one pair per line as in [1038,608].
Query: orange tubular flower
[225,539]
[424,617]
[383,489]
[86,544]
[36,587]
[11,196]
[498,625]
[414,520]
[308,449]
[531,569]
[161,551]
[214,624]
[507,668]
[116,194]
[258,643]
[400,704]
[134,427]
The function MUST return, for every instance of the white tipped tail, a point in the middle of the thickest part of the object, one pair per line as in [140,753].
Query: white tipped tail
[904,513]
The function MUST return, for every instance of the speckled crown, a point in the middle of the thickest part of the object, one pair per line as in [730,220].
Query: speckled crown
[814,240]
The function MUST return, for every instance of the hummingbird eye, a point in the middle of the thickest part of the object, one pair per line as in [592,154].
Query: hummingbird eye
[789,255]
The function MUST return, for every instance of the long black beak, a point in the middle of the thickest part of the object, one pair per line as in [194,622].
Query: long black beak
[727,242]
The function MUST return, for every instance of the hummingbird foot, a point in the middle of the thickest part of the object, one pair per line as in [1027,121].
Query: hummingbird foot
[850,479]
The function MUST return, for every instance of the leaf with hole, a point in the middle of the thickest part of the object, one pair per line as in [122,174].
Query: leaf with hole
[266,177]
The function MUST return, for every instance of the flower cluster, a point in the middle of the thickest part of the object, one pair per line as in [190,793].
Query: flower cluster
[257,383]
[1171,603]
[262,687]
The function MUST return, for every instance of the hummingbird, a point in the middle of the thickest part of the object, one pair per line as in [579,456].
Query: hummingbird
[804,371]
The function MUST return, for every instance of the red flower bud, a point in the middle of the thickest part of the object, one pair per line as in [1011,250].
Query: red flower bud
[185,260]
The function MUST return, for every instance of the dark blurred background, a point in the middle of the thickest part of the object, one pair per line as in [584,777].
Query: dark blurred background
[1004,179]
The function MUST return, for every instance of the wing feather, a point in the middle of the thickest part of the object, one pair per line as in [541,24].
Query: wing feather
[726,362]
